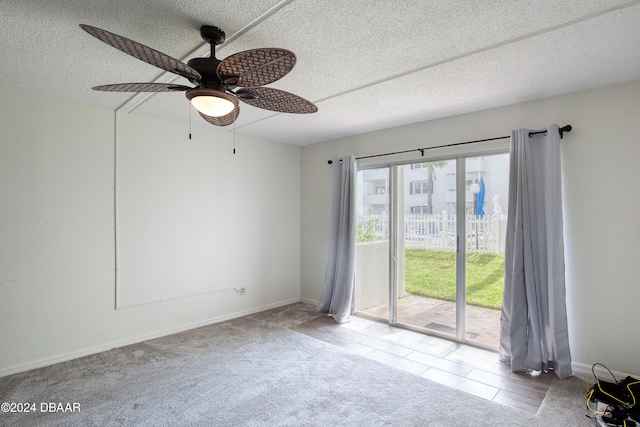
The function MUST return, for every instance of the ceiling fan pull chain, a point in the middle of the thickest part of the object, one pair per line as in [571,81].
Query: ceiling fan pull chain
[190,113]
[234,137]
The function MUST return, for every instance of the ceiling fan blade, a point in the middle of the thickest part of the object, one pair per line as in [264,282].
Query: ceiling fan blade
[224,120]
[144,53]
[256,67]
[142,87]
[276,100]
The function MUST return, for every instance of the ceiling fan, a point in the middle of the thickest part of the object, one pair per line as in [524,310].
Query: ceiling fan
[219,84]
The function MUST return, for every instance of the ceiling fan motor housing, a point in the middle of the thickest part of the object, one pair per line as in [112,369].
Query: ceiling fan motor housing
[207,68]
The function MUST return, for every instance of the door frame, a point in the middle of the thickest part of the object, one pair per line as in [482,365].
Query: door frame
[395,229]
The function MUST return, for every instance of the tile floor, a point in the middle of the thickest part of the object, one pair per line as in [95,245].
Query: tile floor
[470,369]
[483,324]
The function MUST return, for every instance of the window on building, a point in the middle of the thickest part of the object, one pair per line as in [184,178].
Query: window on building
[375,187]
[419,210]
[419,187]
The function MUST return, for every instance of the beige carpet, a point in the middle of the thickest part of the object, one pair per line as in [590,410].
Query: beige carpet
[255,371]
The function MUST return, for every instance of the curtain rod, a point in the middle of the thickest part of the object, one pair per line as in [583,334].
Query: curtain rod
[563,129]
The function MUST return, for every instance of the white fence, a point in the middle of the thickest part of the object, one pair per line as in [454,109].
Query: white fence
[438,232]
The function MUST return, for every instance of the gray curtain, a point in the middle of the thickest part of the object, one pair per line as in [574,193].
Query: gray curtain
[339,283]
[533,334]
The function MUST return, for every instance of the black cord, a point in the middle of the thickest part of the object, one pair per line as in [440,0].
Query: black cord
[610,373]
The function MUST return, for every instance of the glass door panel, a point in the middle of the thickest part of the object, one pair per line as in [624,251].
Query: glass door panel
[426,245]
[372,243]
[486,189]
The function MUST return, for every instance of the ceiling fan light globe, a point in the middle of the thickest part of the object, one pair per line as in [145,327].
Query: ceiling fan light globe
[212,105]
[212,102]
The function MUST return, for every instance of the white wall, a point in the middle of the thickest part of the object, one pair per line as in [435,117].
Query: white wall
[600,161]
[240,215]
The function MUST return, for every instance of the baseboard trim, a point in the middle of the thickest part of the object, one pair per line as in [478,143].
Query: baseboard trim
[308,301]
[581,371]
[106,347]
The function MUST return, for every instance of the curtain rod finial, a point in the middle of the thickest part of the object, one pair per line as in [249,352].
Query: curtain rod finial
[566,128]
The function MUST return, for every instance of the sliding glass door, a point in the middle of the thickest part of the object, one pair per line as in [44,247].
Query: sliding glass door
[430,246]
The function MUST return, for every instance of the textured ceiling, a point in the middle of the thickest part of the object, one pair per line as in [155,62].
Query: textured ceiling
[366,64]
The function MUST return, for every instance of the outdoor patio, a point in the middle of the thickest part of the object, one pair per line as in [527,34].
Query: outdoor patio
[438,317]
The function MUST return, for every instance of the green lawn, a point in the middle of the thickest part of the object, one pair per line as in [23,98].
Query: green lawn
[433,274]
